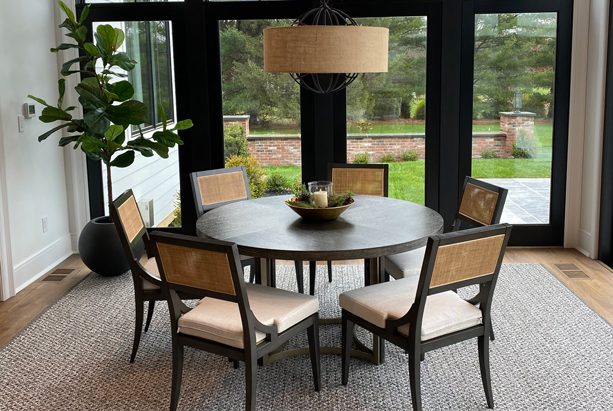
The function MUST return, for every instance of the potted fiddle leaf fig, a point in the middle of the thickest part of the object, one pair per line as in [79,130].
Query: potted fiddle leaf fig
[104,133]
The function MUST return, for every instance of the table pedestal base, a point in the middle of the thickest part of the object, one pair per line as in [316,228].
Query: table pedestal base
[375,356]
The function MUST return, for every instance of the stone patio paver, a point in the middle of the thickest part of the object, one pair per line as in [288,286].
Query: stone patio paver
[527,201]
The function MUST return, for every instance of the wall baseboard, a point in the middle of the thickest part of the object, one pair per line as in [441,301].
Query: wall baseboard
[37,265]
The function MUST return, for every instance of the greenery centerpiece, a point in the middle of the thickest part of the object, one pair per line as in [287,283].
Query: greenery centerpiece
[110,127]
[304,204]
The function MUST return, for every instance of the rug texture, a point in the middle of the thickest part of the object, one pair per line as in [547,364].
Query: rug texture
[551,353]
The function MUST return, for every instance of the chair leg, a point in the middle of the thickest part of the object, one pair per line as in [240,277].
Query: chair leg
[366,272]
[415,377]
[257,272]
[138,325]
[299,276]
[492,336]
[252,271]
[273,273]
[313,334]
[251,371]
[177,374]
[150,308]
[347,337]
[329,271]
[484,364]
[312,272]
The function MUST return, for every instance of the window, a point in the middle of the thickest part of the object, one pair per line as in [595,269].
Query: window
[513,110]
[154,180]
[261,110]
[149,43]
[386,111]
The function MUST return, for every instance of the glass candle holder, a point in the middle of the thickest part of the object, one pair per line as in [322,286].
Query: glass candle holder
[320,190]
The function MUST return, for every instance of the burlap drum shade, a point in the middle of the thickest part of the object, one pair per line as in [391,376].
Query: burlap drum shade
[325,49]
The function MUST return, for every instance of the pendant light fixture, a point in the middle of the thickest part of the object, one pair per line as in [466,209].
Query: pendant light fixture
[324,50]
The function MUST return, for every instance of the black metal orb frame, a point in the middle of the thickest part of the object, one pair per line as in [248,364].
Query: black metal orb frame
[324,15]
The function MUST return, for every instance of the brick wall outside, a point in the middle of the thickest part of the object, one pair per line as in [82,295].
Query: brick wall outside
[284,150]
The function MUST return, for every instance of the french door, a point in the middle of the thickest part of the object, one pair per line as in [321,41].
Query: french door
[517,134]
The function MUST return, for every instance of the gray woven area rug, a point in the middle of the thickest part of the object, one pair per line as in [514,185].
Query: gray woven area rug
[551,353]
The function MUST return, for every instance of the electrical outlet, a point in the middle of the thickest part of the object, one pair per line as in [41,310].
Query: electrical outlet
[45,224]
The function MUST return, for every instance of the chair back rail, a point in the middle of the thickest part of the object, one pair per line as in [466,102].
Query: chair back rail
[133,235]
[481,204]
[124,210]
[362,179]
[214,188]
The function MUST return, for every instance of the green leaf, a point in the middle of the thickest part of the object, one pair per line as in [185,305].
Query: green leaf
[79,34]
[51,114]
[108,39]
[66,66]
[61,86]
[119,38]
[44,136]
[122,60]
[167,137]
[67,11]
[64,46]
[90,144]
[129,112]
[162,115]
[91,49]
[183,125]
[84,14]
[159,148]
[105,36]
[123,160]
[113,132]
[90,93]
[38,100]
[64,141]
[122,89]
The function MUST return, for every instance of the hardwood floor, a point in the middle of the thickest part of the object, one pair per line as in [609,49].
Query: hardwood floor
[591,281]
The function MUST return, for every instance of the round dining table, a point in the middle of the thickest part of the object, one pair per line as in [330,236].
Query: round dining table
[370,229]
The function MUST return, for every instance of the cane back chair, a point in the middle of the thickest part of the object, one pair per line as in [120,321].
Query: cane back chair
[240,321]
[362,179]
[214,188]
[423,316]
[136,244]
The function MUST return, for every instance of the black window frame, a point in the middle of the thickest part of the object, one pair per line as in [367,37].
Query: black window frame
[323,117]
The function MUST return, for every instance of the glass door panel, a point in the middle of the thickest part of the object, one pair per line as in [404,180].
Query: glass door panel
[261,110]
[386,111]
[154,180]
[513,107]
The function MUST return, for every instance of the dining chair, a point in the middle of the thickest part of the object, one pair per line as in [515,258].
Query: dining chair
[136,244]
[243,322]
[214,188]
[361,179]
[423,316]
[481,204]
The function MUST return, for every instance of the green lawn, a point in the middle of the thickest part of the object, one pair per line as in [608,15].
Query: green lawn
[406,179]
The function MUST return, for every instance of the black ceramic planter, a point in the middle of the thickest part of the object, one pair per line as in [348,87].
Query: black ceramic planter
[100,248]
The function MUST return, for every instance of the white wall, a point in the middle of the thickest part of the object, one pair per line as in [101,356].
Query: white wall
[589,66]
[34,172]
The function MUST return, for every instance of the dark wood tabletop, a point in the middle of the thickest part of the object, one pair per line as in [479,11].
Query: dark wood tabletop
[372,227]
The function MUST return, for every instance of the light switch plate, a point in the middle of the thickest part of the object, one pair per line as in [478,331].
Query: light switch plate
[20,123]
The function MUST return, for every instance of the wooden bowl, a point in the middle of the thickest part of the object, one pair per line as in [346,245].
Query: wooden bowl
[318,214]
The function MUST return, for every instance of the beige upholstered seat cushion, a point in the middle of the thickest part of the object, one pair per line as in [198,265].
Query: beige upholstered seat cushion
[152,268]
[220,320]
[405,265]
[444,313]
